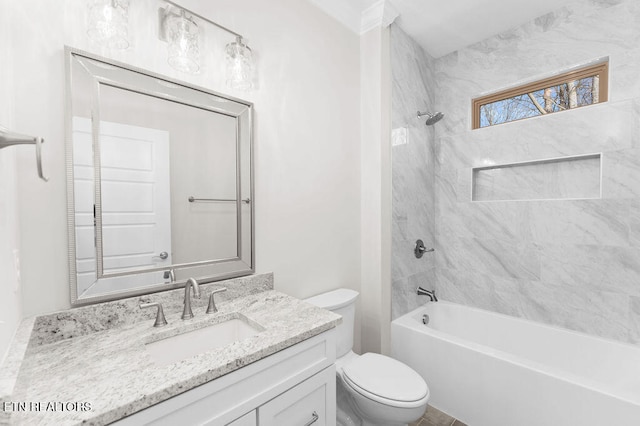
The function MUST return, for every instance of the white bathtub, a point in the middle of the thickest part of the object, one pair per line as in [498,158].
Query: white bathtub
[488,369]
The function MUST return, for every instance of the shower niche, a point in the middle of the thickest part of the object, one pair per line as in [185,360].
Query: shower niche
[573,177]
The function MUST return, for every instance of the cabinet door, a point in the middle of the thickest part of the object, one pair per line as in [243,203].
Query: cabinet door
[311,403]
[248,419]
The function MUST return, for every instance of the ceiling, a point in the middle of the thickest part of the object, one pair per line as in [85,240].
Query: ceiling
[442,26]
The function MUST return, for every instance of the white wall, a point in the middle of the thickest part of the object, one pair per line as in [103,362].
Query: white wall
[38,95]
[10,302]
[307,136]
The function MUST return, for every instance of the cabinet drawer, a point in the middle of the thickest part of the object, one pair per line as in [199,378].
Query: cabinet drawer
[312,402]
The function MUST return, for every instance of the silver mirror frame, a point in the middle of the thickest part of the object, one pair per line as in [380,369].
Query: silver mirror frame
[204,271]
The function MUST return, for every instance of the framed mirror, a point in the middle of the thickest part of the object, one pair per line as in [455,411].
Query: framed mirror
[159,181]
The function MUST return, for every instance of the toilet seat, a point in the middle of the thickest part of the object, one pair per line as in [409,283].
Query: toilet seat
[386,381]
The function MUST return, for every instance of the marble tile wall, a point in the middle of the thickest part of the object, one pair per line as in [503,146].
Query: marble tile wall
[413,176]
[572,263]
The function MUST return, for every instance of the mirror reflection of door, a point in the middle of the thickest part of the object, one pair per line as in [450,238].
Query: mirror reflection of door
[135,192]
[203,164]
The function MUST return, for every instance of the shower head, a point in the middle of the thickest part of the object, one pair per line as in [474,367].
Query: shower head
[431,118]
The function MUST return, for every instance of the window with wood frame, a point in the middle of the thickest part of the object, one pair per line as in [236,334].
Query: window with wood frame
[575,89]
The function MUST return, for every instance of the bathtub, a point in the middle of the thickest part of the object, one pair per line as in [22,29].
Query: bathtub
[488,369]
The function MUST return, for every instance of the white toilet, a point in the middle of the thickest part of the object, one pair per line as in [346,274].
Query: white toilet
[372,389]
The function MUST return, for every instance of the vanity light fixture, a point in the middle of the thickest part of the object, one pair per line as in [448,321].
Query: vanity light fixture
[181,32]
[108,23]
[239,65]
[183,37]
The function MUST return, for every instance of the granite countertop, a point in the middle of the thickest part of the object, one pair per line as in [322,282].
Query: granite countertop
[97,374]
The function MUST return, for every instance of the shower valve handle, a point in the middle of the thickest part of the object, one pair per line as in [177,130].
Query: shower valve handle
[420,249]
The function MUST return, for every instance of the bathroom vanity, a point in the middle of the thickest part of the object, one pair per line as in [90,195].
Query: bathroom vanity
[146,230]
[100,354]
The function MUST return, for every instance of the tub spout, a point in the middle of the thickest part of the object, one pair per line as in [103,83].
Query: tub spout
[430,293]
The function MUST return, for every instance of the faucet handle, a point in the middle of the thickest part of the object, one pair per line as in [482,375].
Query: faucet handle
[212,308]
[160,319]
[420,249]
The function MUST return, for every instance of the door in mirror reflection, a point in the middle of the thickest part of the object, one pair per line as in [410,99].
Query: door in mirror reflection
[135,193]
[202,162]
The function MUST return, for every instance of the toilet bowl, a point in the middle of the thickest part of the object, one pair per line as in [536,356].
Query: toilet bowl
[373,389]
[381,390]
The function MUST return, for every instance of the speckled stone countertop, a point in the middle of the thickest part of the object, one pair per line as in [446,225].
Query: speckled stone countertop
[102,362]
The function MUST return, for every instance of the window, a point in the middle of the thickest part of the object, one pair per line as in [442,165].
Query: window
[585,86]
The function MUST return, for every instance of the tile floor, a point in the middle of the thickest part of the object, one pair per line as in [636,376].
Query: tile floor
[435,417]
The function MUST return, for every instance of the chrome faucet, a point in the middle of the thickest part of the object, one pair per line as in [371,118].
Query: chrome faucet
[187,313]
[430,293]
[170,275]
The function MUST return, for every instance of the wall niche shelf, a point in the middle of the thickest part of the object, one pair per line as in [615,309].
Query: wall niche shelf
[562,178]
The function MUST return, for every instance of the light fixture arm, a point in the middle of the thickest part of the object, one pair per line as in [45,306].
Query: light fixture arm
[203,18]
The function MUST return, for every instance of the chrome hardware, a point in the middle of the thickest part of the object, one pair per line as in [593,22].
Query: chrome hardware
[193,199]
[162,13]
[430,293]
[420,249]
[425,319]
[212,308]
[431,118]
[8,138]
[160,319]
[187,313]
[170,275]
[39,142]
[314,418]
[164,255]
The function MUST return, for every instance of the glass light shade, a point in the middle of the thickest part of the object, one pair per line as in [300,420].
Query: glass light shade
[239,65]
[183,38]
[109,23]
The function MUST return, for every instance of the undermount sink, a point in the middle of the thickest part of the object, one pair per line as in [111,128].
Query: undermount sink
[186,345]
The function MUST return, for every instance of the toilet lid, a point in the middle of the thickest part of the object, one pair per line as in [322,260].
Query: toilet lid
[385,378]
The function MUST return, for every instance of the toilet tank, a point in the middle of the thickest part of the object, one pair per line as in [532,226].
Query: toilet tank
[341,302]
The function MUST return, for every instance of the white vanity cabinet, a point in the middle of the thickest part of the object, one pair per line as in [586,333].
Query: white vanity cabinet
[285,388]
[312,402]
[249,419]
